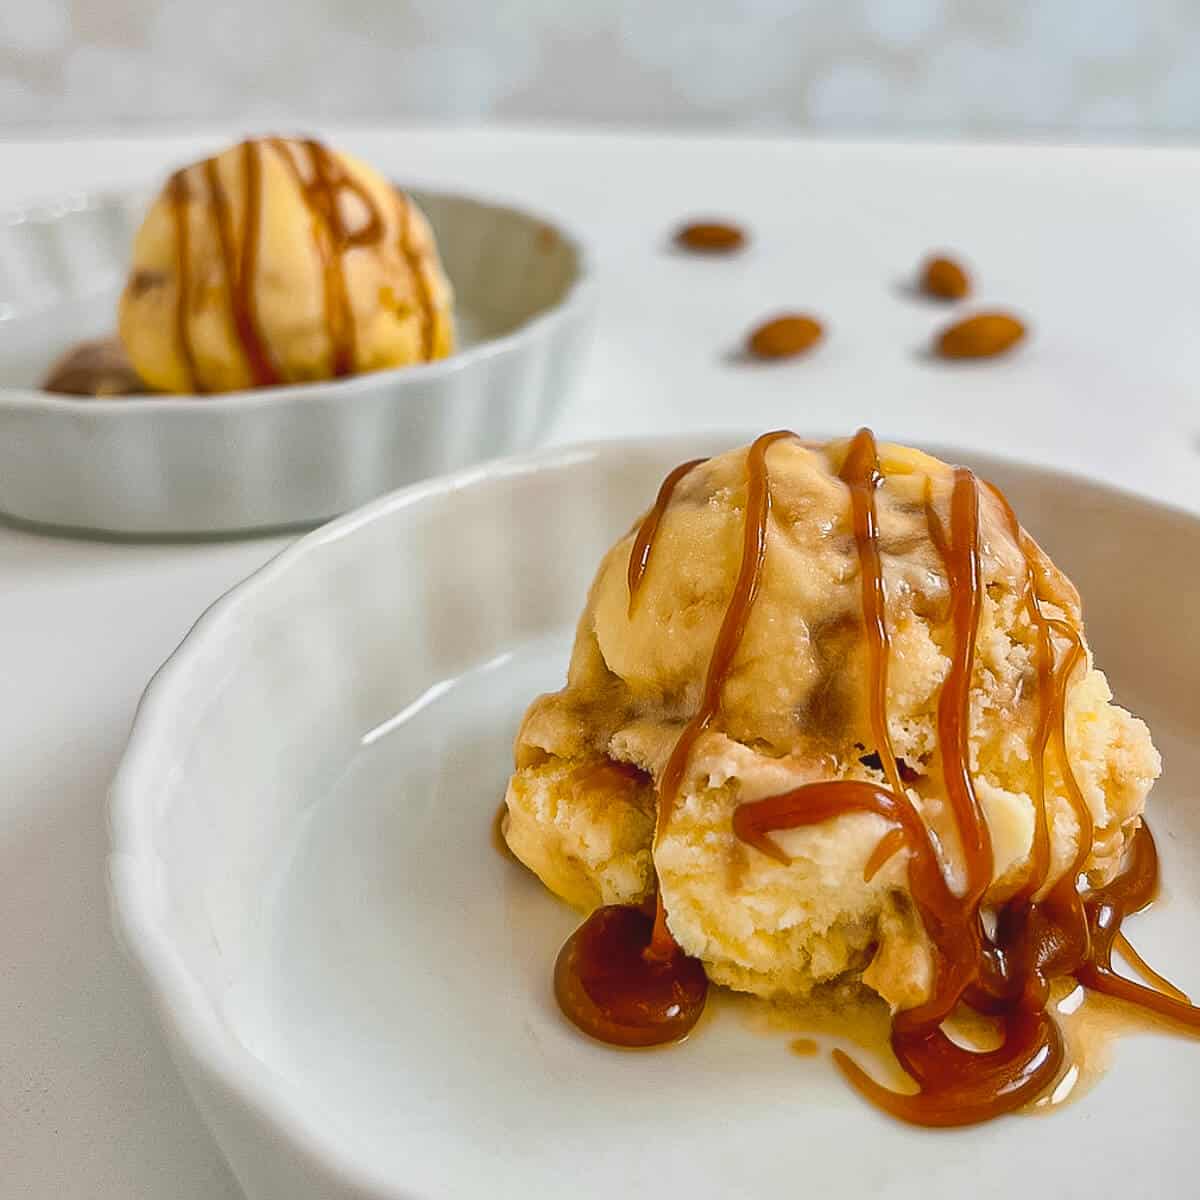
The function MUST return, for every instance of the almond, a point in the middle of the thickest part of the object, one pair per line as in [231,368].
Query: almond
[710,237]
[980,336]
[945,279]
[782,337]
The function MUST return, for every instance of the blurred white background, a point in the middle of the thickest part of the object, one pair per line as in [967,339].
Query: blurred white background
[1120,69]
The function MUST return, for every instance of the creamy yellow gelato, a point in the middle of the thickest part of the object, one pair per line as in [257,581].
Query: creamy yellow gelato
[794,709]
[281,261]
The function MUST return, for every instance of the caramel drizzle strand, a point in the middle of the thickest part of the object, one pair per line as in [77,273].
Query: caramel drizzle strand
[179,193]
[262,368]
[1149,975]
[891,843]
[860,473]
[733,624]
[1052,704]
[322,195]
[729,638]
[960,557]
[1039,853]
[1106,908]
[643,542]
[321,190]
[237,263]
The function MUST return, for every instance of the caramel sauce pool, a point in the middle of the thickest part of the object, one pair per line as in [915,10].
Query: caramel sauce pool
[612,984]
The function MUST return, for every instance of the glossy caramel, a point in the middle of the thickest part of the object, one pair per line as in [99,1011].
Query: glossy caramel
[643,541]
[608,984]
[238,258]
[733,624]
[178,195]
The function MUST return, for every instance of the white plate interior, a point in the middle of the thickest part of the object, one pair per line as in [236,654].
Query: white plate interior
[303,835]
[62,268]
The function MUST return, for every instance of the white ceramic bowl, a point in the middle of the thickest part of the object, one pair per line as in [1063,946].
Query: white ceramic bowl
[282,456]
[356,986]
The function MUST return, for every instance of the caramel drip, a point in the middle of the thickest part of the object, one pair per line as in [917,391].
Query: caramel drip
[889,844]
[733,625]
[1052,705]
[178,194]
[960,557]
[322,189]
[965,1087]
[1083,814]
[246,311]
[643,542]
[238,261]
[860,472]
[322,197]
[1106,908]
[1149,975]
[1043,660]
[416,271]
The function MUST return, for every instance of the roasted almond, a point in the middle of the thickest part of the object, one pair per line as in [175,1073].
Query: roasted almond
[710,237]
[980,336]
[945,279]
[782,337]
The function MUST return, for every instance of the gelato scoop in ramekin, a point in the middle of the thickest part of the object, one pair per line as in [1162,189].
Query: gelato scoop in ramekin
[281,261]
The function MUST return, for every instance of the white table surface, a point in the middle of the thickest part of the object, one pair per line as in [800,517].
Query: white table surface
[1099,248]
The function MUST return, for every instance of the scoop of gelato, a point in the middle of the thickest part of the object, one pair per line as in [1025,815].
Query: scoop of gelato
[281,261]
[795,709]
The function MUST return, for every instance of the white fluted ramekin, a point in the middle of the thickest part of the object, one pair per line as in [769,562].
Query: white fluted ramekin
[283,456]
[356,987]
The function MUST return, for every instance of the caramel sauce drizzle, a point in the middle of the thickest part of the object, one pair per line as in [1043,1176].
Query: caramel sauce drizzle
[960,557]
[1043,659]
[891,843]
[1052,708]
[321,193]
[643,542]
[1149,975]
[1007,974]
[647,954]
[178,194]
[733,624]
[238,261]
[1106,908]
[860,473]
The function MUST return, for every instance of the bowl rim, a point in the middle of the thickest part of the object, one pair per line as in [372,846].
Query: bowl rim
[195,1029]
[575,297]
